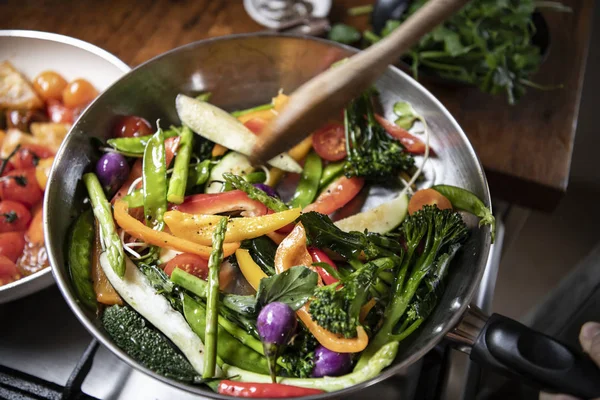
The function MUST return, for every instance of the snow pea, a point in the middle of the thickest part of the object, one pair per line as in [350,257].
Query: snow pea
[80,253]
[256,177]
[330,172]
[229,349]
[178,181]
[464,200]
[154,178]
[135,146]
[199,173]
[309,181]
[135,199]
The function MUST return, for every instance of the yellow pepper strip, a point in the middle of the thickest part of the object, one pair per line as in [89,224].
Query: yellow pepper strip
[330,340]
[292,251]
[249,268]
[267,115]
[140,231]
[364,310]
[280,101]
[298,152]
[218,150]
[199,228]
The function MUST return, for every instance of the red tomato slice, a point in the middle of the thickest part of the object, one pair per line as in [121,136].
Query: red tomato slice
[330,142]
[28,156]
[12,245]
[132,126]
[8,271]
[428,197]
[14,216]
[190,263]
[336,195]
[58,112]
[410,142]
[21,185]
[217,203]
[256,125]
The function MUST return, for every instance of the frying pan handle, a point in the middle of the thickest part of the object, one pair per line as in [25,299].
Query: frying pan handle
[512,348]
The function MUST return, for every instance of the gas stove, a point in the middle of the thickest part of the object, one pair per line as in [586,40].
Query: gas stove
[45,353]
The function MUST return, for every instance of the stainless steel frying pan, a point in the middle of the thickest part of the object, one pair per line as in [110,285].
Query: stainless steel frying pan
[246,70]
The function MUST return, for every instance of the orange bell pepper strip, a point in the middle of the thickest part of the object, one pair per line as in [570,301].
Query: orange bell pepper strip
[293,251]
[140,231]
[105,292]
[35,232]
[364,310]
[276,237]
[218,150]
[200,228]
[298,152]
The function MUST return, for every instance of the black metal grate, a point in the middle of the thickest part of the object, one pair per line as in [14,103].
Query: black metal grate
[17,385]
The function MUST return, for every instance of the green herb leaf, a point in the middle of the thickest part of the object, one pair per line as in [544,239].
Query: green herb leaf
[344,34]
[406,115]
[292,287]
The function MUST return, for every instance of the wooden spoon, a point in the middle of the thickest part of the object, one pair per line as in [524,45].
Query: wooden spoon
[326,94]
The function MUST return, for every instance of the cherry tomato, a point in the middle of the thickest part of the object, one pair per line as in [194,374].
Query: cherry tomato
[14,216]
[35,232]
[412,143]
[190,263]
[78,93]
[8,271]
[21,185]
[427,197]
[57,112]
[12,245]
[330,142]
[49,85]
[256,125]
[42,170]
[132,126]
[336,195]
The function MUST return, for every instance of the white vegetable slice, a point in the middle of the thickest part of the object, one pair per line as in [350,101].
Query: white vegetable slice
[380,219]
[139,294]
[220,127]
[233,162]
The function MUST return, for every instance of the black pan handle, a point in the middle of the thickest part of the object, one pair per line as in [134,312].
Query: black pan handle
[512,348]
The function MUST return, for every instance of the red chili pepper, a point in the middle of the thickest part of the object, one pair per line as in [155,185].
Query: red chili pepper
[216,203]
[264,390]
[319,256]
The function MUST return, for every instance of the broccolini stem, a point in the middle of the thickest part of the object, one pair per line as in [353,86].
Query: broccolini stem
[405,333]
[212,300]
[111,241]
[179,177]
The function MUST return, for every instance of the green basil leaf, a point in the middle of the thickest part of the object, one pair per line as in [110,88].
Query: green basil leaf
[292,287]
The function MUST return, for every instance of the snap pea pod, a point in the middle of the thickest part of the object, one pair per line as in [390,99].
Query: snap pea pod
[179,176]
[212,299]
[135,199]
[80,253]
[464,200]
[230,350]
[110,240]
[154,178]
[135,146]
[330,172]
[262,107]
[199,173]
[309,181]
[256,177]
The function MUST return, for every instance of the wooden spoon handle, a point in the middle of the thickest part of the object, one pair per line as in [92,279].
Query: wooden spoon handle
[329,92]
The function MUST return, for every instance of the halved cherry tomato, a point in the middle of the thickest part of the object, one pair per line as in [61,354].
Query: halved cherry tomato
[35,232]
[410,142]
[336,195]
[21,185]
[256,125]
[58,112]
[190,263]
[49,85]
[427,197]
[330,142]
[8,271]
[12,245]
[42,171]
[78,93]
[28,156]
[319,256]
[132,126]
[14,216]
[217,203]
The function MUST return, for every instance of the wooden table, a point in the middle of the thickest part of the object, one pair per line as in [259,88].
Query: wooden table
[525,149]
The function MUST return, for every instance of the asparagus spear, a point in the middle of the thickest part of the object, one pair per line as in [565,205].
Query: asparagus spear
[212,300]
[110,240]
[180,171]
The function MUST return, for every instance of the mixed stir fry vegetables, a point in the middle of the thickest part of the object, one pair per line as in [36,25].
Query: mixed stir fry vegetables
[34,118]
[204,270]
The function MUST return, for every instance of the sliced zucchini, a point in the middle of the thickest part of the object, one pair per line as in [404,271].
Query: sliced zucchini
[381,219]
[233,162]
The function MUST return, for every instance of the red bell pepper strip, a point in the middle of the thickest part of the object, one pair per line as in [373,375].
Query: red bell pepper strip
[410,142]
[216,203]
[319,256]
[336,195]
[171,145]
[263,390]
[256,125]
